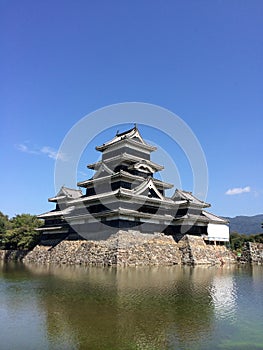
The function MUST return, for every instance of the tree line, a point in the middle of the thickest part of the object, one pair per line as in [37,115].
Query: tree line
[238,240]
[19,232]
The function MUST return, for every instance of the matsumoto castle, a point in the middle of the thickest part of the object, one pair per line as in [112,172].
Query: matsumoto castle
[124,194]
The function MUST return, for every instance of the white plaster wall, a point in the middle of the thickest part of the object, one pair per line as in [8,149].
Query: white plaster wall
[218,232]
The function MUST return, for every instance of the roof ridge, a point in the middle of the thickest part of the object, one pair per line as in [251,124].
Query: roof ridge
[126,132]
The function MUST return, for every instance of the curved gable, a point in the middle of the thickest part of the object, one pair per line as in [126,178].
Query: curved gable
[148,187]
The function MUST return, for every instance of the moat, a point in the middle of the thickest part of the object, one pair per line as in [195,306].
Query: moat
[178,307]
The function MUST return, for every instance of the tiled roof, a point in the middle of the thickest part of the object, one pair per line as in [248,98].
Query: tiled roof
[131,134]
[214,218]
[125,157]
[193,218]
[180,194]
[124,174]
[66,192]
[54,213]
[71,192]
[204,216]
[126,212]
[51,228]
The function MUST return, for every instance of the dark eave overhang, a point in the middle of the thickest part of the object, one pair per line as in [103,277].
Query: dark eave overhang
[192,218]
[52,228]
[125,157]
[121,212]
[120,143]
[122,175]
[194,205]
[58,198]
[123,194]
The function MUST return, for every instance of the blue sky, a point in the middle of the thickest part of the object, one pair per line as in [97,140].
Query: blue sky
[202,60]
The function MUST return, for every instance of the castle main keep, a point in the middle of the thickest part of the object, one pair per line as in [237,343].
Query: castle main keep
[125,194]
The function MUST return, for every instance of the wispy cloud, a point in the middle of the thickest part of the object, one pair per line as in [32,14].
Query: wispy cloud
[45,150]
[24,148]
[238,190]
[53,154]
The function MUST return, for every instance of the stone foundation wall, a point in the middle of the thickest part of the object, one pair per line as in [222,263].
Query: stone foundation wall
[123,248]
[252,253]
[132,248]
[196,252]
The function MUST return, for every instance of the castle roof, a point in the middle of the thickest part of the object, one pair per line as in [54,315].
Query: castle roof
[66,193]
[126,193]
[127,212]
[189,197]
[132,135]
[125,157]
[56,213]
[122,174]
[204,217]
[214,218]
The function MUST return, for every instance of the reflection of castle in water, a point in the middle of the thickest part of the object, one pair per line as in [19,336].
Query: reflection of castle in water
[147,307]
[223,293]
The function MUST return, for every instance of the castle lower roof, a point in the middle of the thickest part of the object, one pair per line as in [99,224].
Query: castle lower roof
[64,193]
[56,213]
[52,228]
[125,213]
[189,197]
[214,218]
[204,217]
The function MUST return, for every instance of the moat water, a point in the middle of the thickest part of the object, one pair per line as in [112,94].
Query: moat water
[131,308]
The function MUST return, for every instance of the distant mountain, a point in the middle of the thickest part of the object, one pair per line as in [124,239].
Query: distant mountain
[246,224]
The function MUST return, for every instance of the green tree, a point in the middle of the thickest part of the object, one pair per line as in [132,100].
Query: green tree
[237,240]
[4,225]
[21,233]
[258,238]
